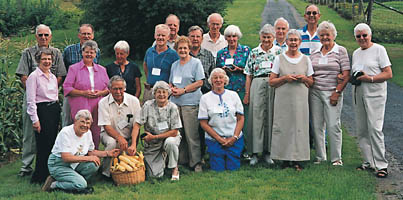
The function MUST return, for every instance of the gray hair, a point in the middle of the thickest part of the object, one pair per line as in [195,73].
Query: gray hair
[214,14]
[40,26]
[83,114]
[122,45]
[233,30]
[327,25]
[267,29]
[218,71]
[43,50]
[91,44]
[281,19]
[362,27]
[162,26]
[172,15]
[116,78]
[293,32]
[195,28]
[86,25]
[161,85]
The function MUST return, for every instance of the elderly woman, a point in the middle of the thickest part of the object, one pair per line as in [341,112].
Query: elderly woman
[291,75]
[221,116]
[128,70]
[74,159]
[326,95]
[370,98]
[233,59]
[186,79]
[261,96]
[86,83]
[44,110]
[161,121]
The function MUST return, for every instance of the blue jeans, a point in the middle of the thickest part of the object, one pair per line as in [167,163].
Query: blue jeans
[68,178]
[225,158]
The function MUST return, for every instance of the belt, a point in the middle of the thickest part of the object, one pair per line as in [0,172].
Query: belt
[148,86]
[48,103]
[262,76]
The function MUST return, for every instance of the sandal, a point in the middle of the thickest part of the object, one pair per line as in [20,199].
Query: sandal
[382,173]
[298,167]
[337,163]
[364,167]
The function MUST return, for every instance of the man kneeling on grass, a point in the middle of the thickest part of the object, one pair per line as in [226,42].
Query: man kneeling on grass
[74,159]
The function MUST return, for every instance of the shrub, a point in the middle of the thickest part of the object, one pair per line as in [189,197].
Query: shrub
[134,21]
[385,33]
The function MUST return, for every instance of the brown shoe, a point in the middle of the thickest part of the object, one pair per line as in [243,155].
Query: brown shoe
[47,184]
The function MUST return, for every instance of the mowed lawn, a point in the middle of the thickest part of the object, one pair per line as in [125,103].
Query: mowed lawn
[260,182]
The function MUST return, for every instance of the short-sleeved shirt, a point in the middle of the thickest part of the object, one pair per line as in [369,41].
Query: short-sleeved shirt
[68,142]
[28,63]
[159,65]
[209,44]
[158,120]
[208,61]
[220,110]
[276,63]
[309,43]
[130,74]
[237,79]
[183,75]
[72,54]
[327,67]
[118,116]
[283,47]
[260,62]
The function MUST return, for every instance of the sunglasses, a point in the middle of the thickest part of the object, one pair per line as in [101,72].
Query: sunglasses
[363,36]
[43,34]
[313,13]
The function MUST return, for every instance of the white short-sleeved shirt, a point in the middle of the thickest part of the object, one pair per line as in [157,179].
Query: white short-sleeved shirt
[183,75]
[220,110]
[68,142]
[371,60]
[276,63]
[110,113]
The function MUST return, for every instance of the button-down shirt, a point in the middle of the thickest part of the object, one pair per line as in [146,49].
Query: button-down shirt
[72,54]
[260,62]
[208,61]
[309,43]
[209,44]
[117,116]
[283,47]
[28,63]
[40,88]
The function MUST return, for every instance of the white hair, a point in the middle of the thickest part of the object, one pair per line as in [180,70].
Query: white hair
[91,44]
[327,25]
[161,85]
[214,14]
[293,32]
[83,114]
[162,26]
[116,78]
[362,27]
[122,45]
[233,30]
[40,26]
[267,29]
[281,19]
[218,71]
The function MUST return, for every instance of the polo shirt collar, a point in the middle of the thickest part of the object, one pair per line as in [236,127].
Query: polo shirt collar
[112,100]
[335,49]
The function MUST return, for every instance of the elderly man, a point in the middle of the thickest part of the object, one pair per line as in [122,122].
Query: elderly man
[213,40]
[72,55]
[158,60]
[310,40]
[173,22]
[195,34]
[281,28]
[117,113]
[28,64]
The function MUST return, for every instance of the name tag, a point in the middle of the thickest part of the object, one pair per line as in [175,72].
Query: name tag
[265,64]
[162,125]
[229,61]
[323,60]
[51,87]
[156,72]
[218,109]
[122,124]
[177,80]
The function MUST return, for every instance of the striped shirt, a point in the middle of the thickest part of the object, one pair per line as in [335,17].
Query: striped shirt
[327,67]
[309,43]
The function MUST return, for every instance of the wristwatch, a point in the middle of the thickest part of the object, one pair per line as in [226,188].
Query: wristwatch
[338,91]
[236,137]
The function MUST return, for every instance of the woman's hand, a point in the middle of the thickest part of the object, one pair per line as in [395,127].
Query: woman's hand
[94,159]
[334,98]
[365,78]
[88,93]
[290,78]
[37,126]
[246,99]
[177,91]
[132,149]
[229,142]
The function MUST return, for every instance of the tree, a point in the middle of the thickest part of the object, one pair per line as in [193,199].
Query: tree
[135,20]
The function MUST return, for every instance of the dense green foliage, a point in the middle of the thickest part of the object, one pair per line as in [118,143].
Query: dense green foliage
[134,21]
[19,15]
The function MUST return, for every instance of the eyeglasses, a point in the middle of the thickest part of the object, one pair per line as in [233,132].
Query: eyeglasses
[313,13]
[293,39]
[363,36]
[43,34]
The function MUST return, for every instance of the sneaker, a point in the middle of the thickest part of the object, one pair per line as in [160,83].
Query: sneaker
[246,156]
[46,186]
[337,163]
[198,168]
[268,159]
[254,160]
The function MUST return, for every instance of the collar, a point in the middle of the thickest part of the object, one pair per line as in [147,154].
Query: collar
[278,44]
[335,49]
[154,48]
[40,73]
[95,67]
[210,40]
[260,49]
[112,100]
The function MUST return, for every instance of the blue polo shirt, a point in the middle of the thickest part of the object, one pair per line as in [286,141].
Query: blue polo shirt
[309,44]
[161,63]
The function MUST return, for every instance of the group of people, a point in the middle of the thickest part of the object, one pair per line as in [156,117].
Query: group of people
[203,90]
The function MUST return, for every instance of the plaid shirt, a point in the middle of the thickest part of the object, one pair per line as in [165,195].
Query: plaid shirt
[208,61]
[72,55]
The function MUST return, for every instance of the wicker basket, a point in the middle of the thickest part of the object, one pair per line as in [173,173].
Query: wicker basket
[129,178]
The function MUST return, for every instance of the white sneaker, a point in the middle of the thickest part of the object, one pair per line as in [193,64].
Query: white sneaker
[268,159]
[254,160]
